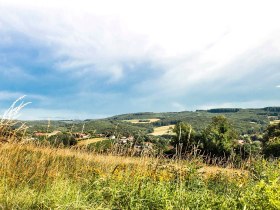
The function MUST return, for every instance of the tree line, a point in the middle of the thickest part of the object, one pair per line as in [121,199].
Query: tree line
[220,139]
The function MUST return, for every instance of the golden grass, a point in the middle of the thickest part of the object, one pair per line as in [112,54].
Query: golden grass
[11,129]
[41,177]
[163,130]
[212,170]
[108,161]
[151,120]
[89,141]
[274,122]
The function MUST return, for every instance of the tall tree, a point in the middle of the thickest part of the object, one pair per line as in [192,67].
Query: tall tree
[218,138]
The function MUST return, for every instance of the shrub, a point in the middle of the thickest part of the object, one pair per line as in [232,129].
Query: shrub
[271,141]
[62,139]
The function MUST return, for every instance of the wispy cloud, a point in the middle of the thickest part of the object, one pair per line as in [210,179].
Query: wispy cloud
[8,95]
[93,39]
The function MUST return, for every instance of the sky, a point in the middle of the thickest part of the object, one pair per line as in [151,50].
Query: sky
[91,59]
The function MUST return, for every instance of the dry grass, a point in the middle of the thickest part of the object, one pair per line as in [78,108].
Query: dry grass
[41,177]
[274,122]
[11,129]
[106,162]
[163,130]
[89,141]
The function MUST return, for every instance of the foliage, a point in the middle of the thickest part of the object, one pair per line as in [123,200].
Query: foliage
[218,138]
[272,109]
[62,139]
[223,110]
[101,146]
[245,121]
[271,140]
[185,137]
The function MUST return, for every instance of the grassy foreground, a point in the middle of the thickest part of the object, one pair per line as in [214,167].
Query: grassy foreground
[33,177]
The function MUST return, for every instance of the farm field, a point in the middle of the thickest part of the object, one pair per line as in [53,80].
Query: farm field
[162,130]
[274,121]
[142,120]
[89,141]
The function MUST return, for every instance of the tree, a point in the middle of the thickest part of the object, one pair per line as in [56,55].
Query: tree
[218,138]
[271,140]
[185,136]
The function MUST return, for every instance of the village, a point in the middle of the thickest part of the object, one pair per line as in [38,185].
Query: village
[85,139]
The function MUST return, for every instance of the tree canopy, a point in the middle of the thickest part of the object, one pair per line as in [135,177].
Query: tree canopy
[218,138]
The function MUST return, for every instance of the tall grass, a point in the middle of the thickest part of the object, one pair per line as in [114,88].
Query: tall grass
[33,177]
[11,129]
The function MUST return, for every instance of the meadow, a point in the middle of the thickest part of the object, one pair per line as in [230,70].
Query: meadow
[43,177]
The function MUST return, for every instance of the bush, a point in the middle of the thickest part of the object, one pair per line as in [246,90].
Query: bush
[62,139]
[271,141]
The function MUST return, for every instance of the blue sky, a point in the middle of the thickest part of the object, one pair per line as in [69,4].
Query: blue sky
[91,59]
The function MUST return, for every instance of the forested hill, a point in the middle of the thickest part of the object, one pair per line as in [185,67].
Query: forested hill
[244,121]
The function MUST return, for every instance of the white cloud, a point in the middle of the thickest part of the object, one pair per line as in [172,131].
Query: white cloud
[278,86]
[187,41]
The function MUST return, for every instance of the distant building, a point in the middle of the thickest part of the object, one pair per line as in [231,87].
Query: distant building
[39,134]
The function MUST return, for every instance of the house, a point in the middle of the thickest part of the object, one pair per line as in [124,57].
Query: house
[39,134]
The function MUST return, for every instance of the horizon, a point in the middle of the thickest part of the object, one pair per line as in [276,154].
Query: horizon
[127,113]
[91,60]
